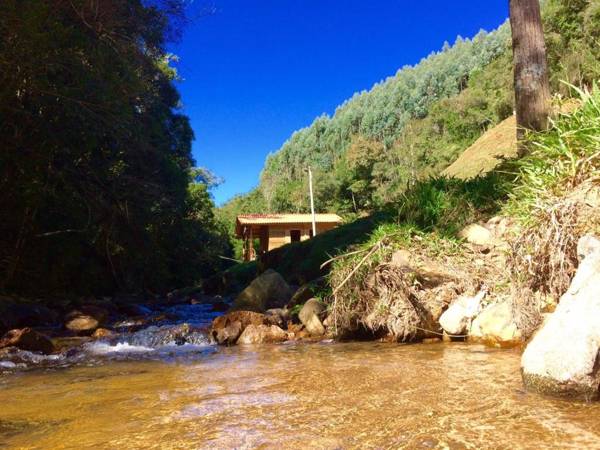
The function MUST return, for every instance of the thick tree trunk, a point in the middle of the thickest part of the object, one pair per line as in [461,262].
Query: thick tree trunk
[532,91]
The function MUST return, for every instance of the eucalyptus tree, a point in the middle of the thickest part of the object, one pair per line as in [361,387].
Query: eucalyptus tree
[532,88]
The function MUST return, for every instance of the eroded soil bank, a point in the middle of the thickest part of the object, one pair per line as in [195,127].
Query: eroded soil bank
[321,395]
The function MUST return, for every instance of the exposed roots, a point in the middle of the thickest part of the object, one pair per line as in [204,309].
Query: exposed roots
[543,258]
[396,301]
[541,262]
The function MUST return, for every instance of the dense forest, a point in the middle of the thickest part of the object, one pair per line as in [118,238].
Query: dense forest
[415,123]
[98,190]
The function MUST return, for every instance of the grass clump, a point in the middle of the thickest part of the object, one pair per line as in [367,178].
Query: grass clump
[446,204]
[556,198]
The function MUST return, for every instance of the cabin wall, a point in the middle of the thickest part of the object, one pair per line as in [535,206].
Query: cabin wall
[277,237]
[280,234]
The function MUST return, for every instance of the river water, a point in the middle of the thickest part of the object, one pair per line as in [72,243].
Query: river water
[321,395]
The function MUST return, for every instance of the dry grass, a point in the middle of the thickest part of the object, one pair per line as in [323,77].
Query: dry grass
[487,152]
[404,302]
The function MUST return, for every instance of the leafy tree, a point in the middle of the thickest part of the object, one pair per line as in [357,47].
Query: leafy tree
[96,158]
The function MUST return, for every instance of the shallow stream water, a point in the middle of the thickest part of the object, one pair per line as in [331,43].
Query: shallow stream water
[322,395]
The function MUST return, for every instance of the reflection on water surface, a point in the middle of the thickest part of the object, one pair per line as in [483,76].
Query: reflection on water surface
[354,395]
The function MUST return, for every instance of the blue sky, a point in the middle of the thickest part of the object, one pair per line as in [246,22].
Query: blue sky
[256,70]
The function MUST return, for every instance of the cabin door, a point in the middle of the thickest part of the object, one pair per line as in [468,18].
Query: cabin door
[295,235]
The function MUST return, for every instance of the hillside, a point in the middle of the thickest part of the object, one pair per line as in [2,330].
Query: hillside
[418,123]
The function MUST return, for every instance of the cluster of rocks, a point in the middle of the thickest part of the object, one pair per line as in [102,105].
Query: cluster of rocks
[493,324]
[33,327]
[263,313]
[563,356]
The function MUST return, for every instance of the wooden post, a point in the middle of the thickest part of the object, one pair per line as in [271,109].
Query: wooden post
[245,255]
[251,246]
[312,203]
[532,90]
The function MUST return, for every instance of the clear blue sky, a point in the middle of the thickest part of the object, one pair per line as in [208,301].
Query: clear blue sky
[256,70]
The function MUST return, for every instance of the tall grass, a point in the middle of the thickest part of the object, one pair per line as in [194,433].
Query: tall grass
[558,159]
[550,201]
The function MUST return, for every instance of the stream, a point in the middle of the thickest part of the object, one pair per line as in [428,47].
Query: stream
[145,389]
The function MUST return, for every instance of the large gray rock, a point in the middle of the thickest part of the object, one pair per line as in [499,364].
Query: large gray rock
[457,318]
[309,316]
[562,358]
[278,315]
[496,326]
[27,339]
[262,334]
[267,291]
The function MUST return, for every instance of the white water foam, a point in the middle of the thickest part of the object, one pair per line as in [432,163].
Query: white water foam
[103,348]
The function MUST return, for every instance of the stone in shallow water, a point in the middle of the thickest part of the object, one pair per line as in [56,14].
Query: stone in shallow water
[309,316]
[226,329]
[457,318]
[495,325]
[262,334]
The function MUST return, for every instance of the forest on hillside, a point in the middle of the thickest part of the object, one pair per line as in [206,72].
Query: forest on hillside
[98,190]
[415,123]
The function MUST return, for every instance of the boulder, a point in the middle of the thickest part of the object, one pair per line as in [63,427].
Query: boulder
[27,339]
[309,316]
[457,318]
[562,357]
[269,290]
[227,329]
[431,274]
[476,234]
[85,319]
[156,336]
[499,225]
[262,334]
[496,326]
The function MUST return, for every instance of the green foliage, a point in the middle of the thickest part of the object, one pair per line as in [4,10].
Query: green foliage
[558,159]
[572,29]
[379,118]
[447,205]
[96,158]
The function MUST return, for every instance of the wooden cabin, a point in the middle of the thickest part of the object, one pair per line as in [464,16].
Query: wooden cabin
[275,230]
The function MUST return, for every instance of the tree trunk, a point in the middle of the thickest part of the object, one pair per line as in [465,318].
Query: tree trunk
[532,91]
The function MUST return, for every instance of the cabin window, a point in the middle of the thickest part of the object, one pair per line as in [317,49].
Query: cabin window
[295,235]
